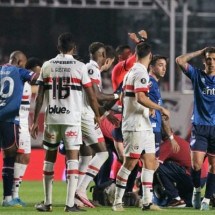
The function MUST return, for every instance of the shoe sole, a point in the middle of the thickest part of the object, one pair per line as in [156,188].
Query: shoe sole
[84,201]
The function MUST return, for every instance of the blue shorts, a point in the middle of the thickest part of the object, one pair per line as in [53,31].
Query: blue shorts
[157,143]
[203,139]
[9,135]
[117,134]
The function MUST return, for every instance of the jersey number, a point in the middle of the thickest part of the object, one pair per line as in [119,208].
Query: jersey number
[9,85]
[61,87]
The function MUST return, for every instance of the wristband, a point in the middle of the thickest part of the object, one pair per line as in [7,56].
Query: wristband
[106,113]
[116,96]
[171,137]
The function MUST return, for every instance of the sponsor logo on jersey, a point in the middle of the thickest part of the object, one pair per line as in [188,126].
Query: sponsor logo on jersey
[143,80]
[208,91]
[63,62]
[58,110]
[62,69]
[90,71]
[71,134]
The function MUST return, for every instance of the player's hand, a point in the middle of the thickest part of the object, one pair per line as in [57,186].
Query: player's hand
[151,112]
[107,64]
[134,37]
[97,120]
[34,130]
[111,118]
[143,34]
[165,113]
[175,146]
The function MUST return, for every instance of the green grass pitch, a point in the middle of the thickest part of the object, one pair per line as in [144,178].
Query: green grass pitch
[32,192]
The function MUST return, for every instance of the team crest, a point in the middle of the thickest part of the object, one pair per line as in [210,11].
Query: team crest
[150,84]
[90,71]
[143,80]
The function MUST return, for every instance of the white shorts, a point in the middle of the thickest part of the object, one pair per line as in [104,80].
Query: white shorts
[71,135]
[24,140]
[137,142]
[91,132]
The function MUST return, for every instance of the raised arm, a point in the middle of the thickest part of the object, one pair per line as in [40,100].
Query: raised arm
[183,60]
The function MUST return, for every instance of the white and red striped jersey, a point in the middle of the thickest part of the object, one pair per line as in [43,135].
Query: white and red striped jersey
[25,104]
[135,116]
[95,76]
[63,78]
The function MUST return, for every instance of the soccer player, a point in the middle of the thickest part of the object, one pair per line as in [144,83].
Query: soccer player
[92,135]
[12,79]
[157,70]
[123,52]
[137,130]
[173,177]
[203,120]
[24,149]
[60,85]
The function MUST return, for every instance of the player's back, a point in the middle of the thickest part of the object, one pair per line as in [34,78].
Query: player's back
[12,80]
[64,77]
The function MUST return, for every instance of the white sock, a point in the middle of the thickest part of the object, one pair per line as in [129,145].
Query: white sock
[206,200]
[48,176]
[93,169]
[121,182]
[83,164]
[19,171]
[147,179]
[72,181]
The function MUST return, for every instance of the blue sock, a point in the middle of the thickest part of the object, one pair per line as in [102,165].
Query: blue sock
[7,175]
[196,176]
[210,186]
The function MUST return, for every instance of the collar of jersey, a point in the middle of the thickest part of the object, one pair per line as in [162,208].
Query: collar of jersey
[141,65]
[94,63]
[66,55]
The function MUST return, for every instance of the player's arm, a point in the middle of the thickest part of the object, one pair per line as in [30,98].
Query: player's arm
[145,101]
[183,60]
[103,96]
[93,102]
[168,131]
[38,106]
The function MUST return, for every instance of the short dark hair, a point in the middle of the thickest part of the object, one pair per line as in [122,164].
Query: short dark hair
[95,46]
[110,52]
[121,48]
[33,62]
[209,50]
[142,49]
[155,58]
[66,42]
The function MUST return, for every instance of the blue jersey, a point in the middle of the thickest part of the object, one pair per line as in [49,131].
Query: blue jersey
[204,96]
[12,80]
[155,96]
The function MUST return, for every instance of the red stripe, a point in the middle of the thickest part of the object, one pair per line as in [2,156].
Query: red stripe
[16,179]
[147,183]
[88,85]
[47,80]
[95,81]
[129,87]
[143,89]
[73,171]
[75,80]
[93,168]
[133,155]
[21,151]
[121,179]
[101,140]
[82,173]
[25,97]
[48,173]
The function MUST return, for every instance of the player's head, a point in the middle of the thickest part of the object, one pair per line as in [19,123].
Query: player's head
[18,58]
[143,51]
[158,66]
[123,52]
[66,43]
[97,52]
[209,60]
[33,64]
